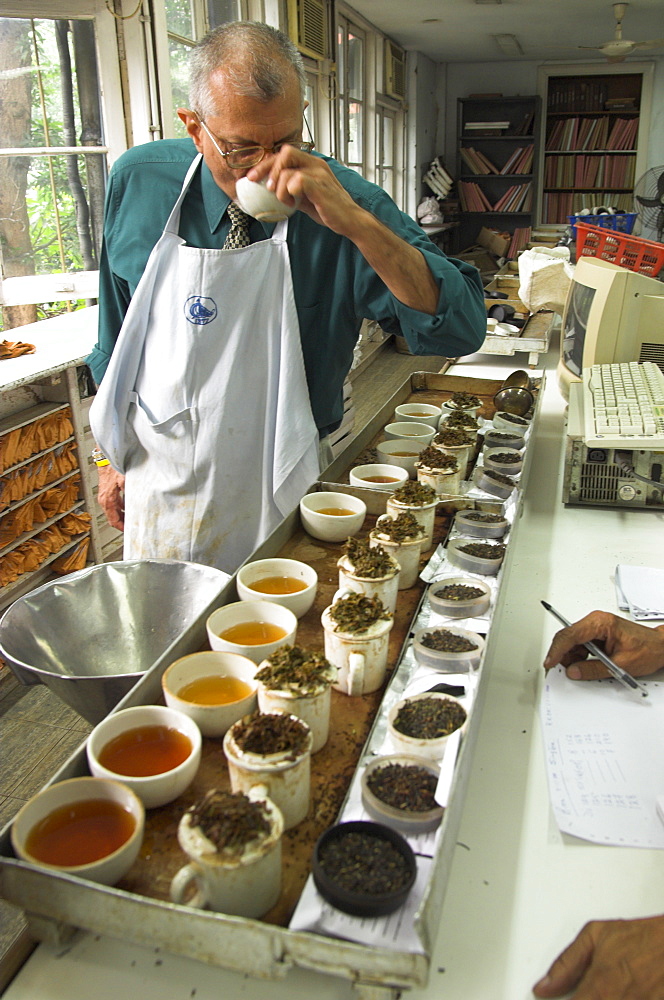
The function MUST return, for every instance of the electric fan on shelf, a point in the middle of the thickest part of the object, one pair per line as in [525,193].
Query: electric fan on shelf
[649,202]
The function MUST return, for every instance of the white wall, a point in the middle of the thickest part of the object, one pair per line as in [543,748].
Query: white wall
[423,116]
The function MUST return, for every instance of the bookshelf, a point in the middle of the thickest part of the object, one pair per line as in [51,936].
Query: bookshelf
[591,143]
[497,162]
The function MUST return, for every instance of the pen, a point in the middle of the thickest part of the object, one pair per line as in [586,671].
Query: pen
[613,668]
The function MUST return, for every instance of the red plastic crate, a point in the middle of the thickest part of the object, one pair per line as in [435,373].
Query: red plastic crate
[632,252]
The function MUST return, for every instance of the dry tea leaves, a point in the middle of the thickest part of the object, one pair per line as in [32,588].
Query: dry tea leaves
[415,494]
[292,668]
[464,400]
[498,477]
[368,562]
[447,642]
[429,718]
[459,592]
[513,419]
[361,862]
[267,734]
[230,820]
[506,457]
[357,613]
[401,528]
[500,436]
[483,550]
[452,437]
[404,786]
[460,419]
[483,517]
[434,458]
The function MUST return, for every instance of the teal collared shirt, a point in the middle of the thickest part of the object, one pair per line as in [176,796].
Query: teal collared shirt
[334,287]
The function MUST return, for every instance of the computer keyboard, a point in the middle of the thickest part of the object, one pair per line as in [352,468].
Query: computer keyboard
[623,405]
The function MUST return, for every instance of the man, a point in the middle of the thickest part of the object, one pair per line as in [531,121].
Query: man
[609,959]
[230,364]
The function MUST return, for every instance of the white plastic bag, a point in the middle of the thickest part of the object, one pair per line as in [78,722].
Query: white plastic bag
[545,274]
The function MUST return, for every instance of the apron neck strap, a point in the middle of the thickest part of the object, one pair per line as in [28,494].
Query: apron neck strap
[280,230]
[173,222]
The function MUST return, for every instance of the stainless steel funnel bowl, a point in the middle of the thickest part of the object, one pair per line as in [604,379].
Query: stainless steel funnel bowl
[91,635]
[514,399]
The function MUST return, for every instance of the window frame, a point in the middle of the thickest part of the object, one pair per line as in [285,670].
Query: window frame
[346,24]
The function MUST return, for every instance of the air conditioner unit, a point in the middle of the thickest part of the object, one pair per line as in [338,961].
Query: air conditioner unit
[307,21]
[395,70]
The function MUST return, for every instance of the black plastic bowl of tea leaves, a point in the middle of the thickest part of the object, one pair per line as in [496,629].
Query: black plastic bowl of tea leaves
[400,791]
[365,869]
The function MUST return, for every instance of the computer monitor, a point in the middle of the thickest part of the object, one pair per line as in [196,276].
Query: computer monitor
[611,314]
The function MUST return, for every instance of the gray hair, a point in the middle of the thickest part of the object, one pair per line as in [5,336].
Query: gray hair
[257,60]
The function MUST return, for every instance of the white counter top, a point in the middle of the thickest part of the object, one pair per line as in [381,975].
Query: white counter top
[519,890]
[60,342]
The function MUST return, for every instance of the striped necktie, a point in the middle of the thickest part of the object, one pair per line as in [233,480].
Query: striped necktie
[238,234]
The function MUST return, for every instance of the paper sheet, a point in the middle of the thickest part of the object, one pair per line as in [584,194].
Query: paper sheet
[604,752]
[397,930]
[640,590]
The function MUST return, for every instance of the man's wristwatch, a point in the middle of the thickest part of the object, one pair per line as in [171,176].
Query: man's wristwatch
[99,458]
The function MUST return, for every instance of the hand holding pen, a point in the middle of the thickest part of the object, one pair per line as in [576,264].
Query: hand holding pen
[634,649]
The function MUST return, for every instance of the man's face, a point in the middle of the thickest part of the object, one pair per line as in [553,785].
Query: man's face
[243,121]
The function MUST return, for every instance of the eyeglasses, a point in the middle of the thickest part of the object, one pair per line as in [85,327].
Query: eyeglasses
[243,157]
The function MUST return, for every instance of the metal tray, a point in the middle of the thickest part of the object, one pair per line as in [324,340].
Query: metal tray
[139,910]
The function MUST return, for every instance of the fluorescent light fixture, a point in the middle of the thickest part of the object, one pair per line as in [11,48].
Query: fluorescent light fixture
[508,44]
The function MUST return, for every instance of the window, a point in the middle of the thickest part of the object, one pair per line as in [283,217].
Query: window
[181,28]
[187,21]
[53,155]
[352,96]
[386,152]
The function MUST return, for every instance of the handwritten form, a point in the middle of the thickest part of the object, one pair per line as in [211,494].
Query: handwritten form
[604,751]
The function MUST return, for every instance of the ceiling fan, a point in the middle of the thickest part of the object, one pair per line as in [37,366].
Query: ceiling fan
[618,48]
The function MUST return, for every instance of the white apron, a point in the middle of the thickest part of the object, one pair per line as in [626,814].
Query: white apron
[204,406]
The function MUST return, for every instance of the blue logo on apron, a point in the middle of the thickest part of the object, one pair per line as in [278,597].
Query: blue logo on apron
[200,310]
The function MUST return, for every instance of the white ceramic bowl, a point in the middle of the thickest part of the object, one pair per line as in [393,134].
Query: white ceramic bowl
[467,607]
[251,583]
[212,719]
[108,869]
[422,434]
[425,413]
[246,612]
[152,789]
[255,199]
[378,477]
[332,527]
[432,749]
[448,660]
[407,821]
[400,452]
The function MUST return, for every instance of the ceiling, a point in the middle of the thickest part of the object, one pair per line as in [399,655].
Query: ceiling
[462,30]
